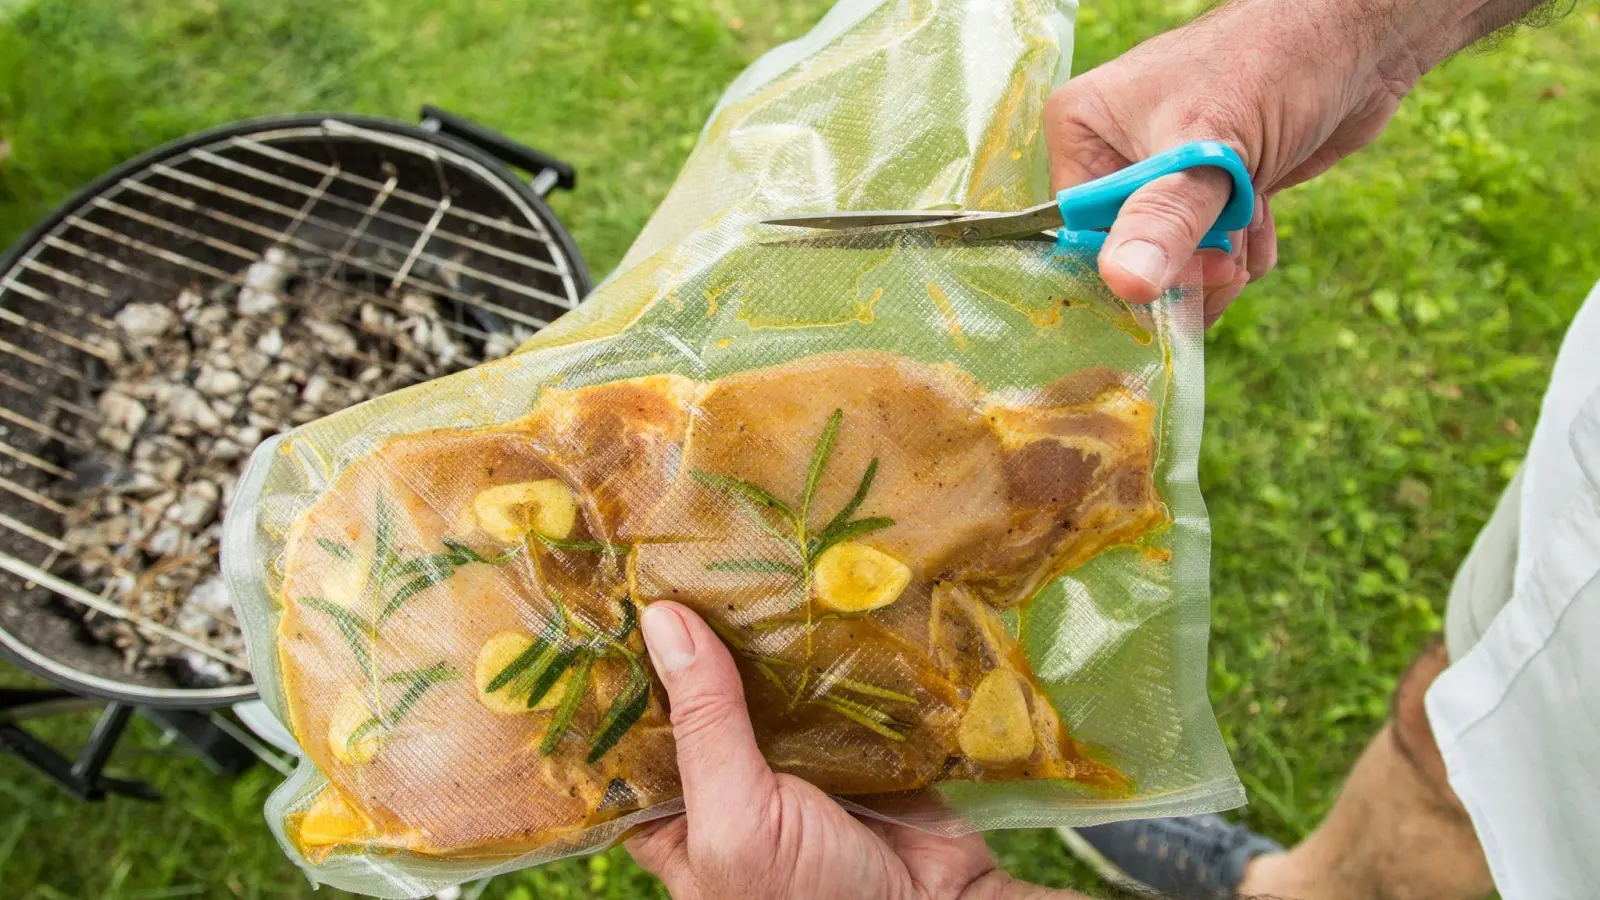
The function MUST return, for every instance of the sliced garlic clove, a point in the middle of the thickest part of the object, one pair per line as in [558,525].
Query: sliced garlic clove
[343,582]
[855,578]
[508,512]
[331,821]
[996,729]
[350,717]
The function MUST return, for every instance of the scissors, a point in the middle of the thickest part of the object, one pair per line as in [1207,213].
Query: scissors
[1080,215]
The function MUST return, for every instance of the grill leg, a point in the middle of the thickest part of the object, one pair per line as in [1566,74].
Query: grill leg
[217,749]
[85,776]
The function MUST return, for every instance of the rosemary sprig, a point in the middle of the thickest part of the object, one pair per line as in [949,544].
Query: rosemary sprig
[355,630]
[758,566]
[630,621]
[416,575]
[555,651]
[626,708]
[562,720]
[829,696]
[819,460]
[383,556]
[336,549]
[560,660]
[410,589]
[849,509]
[580,546]
[759,503]
[754,501]
[770,624]
[460,554]
[865,715]
[845,532]
[534,660]
[425,571]
[417,682]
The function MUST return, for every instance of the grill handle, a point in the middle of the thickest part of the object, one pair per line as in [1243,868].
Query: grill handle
[549,173]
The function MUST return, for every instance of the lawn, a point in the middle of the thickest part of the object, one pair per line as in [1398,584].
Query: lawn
[1366,403]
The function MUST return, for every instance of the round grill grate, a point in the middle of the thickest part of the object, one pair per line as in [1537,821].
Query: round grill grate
[374,210]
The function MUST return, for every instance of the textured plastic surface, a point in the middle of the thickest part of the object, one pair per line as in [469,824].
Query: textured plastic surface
[939,499]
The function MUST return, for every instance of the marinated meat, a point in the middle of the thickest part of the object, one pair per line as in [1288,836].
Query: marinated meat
[459,641]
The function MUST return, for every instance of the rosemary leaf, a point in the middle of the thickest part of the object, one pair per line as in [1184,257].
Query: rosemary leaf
[582,546]
[411,589]
[551,673]
[417,682]
[432,674]
[819,461]
[352,627]
[334,548]
[866,689]
[850,508]
[568,708]
[865,709]
[383,555]
[769,624]
[585,628]
[753,501]
[371,724]
[846,532]
[758,566]
[461,554]
[625,710]
[855,715]
[518,666]
[441,564]
[630,619]
[767,673]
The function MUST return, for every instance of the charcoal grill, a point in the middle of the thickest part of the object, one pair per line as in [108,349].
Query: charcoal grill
[373,206]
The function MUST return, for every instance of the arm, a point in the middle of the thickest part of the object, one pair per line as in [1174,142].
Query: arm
[1293,85]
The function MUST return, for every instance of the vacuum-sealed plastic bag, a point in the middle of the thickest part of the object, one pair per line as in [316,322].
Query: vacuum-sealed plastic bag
[939,500]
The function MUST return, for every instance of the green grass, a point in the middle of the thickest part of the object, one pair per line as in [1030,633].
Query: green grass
[1367,403]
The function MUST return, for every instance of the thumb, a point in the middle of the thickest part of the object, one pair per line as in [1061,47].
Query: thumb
[1158,229]
[725,777]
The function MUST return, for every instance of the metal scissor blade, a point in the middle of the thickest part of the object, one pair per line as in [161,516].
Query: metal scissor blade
[999,226]
[963,225]
[868,218]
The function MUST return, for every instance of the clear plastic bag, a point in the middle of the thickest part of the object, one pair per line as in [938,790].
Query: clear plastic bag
[940,500]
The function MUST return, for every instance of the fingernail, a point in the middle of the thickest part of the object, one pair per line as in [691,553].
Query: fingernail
[1259,217]
[664,633]
[1141,259]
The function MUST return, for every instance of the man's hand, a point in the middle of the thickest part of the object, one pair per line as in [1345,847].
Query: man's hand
[1292,85]
[748,832]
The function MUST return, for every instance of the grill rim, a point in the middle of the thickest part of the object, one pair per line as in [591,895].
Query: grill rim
[18,651]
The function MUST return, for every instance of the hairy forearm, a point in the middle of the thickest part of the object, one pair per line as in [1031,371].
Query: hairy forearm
[1397,39]
[1427,30]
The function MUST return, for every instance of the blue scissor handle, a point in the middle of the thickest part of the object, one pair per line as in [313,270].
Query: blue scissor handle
[1088,210]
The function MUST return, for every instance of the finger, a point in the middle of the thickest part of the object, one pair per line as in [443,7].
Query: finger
[1158,229]
[1216,269]
[1217,301]
[1262,238]
[726,781]
[1078,153]
[659,847]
